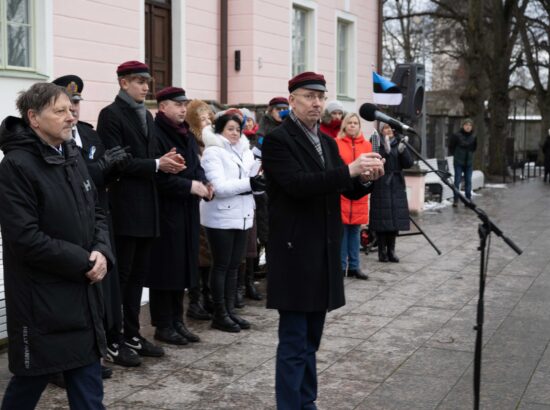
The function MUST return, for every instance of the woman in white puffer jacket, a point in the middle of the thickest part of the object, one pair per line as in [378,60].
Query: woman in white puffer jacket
[228,163]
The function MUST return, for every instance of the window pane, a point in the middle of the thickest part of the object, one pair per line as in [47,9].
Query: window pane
[2,45]
[299,41]
[18,11]
[342,59]
[19,46]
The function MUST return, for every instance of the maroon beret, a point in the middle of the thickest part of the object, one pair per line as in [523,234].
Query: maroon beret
[172,93]
[278,101]
[133,67]
[309,80]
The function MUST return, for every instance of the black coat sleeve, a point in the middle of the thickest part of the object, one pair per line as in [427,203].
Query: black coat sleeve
[110,130]
[19,218]
[285,169]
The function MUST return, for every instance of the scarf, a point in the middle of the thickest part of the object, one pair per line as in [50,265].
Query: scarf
[139,108]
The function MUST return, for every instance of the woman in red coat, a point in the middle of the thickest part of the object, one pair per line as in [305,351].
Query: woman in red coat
[351,144]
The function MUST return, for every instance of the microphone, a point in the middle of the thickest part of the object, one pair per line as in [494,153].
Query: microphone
[369,112]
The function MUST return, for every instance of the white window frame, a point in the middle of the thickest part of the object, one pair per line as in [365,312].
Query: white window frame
[310,7]
[41,55]
[351,20]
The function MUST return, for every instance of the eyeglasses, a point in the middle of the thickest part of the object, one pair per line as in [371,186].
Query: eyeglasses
[313,96]
[281,108]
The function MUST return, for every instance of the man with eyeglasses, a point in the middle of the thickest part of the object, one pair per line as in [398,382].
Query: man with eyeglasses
[306,177]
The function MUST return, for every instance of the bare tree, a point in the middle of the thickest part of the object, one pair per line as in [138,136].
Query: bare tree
[534,27]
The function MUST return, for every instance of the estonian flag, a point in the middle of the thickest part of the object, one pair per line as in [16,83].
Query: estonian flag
[385,92]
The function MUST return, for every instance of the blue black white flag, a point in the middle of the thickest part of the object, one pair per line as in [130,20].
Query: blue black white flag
[385,92]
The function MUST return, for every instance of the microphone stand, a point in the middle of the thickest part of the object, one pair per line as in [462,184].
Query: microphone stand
[484,231]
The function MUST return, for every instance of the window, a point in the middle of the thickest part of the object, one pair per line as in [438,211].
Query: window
[16,34]
[301,39]
[344,61]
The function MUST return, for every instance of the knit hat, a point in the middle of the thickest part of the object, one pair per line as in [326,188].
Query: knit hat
[172,93]
[309,80]
[467,121]
[133,67]
[278,102]
[73,84]
[334,106]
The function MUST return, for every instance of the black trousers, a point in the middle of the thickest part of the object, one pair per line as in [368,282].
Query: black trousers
[84,389]
[227,247]
[296,367]
[134,257]
[166,307]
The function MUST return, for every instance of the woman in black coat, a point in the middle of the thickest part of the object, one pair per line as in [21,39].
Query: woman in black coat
[389,210]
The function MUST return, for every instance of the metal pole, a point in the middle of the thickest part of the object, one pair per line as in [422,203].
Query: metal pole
[525,137]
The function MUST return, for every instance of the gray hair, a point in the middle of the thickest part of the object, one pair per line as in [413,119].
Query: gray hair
[38,97]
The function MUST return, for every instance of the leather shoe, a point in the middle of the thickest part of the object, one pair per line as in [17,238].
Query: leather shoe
[106,372]
[186,333]
[197,311]
[170,336]
[357,273]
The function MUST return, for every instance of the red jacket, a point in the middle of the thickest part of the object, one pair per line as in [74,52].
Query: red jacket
[354,212]
[332,128]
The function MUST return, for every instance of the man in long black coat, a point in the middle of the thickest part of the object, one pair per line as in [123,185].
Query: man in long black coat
[102,167]
[175,255]
[306,177]
[133,198]
[56,247]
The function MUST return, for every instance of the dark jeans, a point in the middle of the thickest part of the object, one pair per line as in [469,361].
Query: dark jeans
[166,307]
[467,170]
[349,251]
[84,389]
[227,247]
[296,367]
[134,256]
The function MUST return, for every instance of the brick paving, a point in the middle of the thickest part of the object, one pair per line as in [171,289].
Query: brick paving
[405,338]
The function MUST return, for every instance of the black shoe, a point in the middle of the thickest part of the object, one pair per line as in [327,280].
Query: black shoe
[122,355]
[226,324]
[197,311]
[243,324]
[252,292]
[392,257]
[382,257]
[170,336]
[182,330]
[143,347]
[455,204]
[239,298]
[357,273]
[106,372]
[58,380]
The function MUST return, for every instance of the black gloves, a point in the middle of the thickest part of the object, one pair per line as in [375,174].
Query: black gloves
[114,156]
[257,183]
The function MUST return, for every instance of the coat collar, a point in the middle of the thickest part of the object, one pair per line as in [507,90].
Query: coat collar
[303,141]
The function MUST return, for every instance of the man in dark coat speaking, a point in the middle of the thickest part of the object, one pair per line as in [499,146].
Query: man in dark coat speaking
[56,247]
[306,177]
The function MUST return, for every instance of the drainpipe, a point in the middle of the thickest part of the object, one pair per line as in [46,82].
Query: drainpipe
[223,51]
[380,28]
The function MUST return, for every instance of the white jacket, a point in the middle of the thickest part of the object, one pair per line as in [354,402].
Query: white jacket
[227,167]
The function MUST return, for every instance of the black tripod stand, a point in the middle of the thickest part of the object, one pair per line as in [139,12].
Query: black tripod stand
[484,230]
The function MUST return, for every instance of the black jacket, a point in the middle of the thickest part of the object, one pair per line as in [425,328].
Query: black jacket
[50,224]
[462,146]
[133,198]
[389,209]
[175,255]
[305,227]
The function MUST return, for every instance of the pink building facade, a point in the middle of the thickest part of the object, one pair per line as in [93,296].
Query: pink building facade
[44,39]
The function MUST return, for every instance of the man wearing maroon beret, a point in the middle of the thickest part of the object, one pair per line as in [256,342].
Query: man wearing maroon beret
[305,178]
[272,118]
[134,203]
[175,255]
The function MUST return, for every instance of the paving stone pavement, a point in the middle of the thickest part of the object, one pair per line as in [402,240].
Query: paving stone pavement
[405,338]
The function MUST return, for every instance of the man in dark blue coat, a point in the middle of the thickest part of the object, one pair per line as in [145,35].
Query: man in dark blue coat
[306,177]
[56,247]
